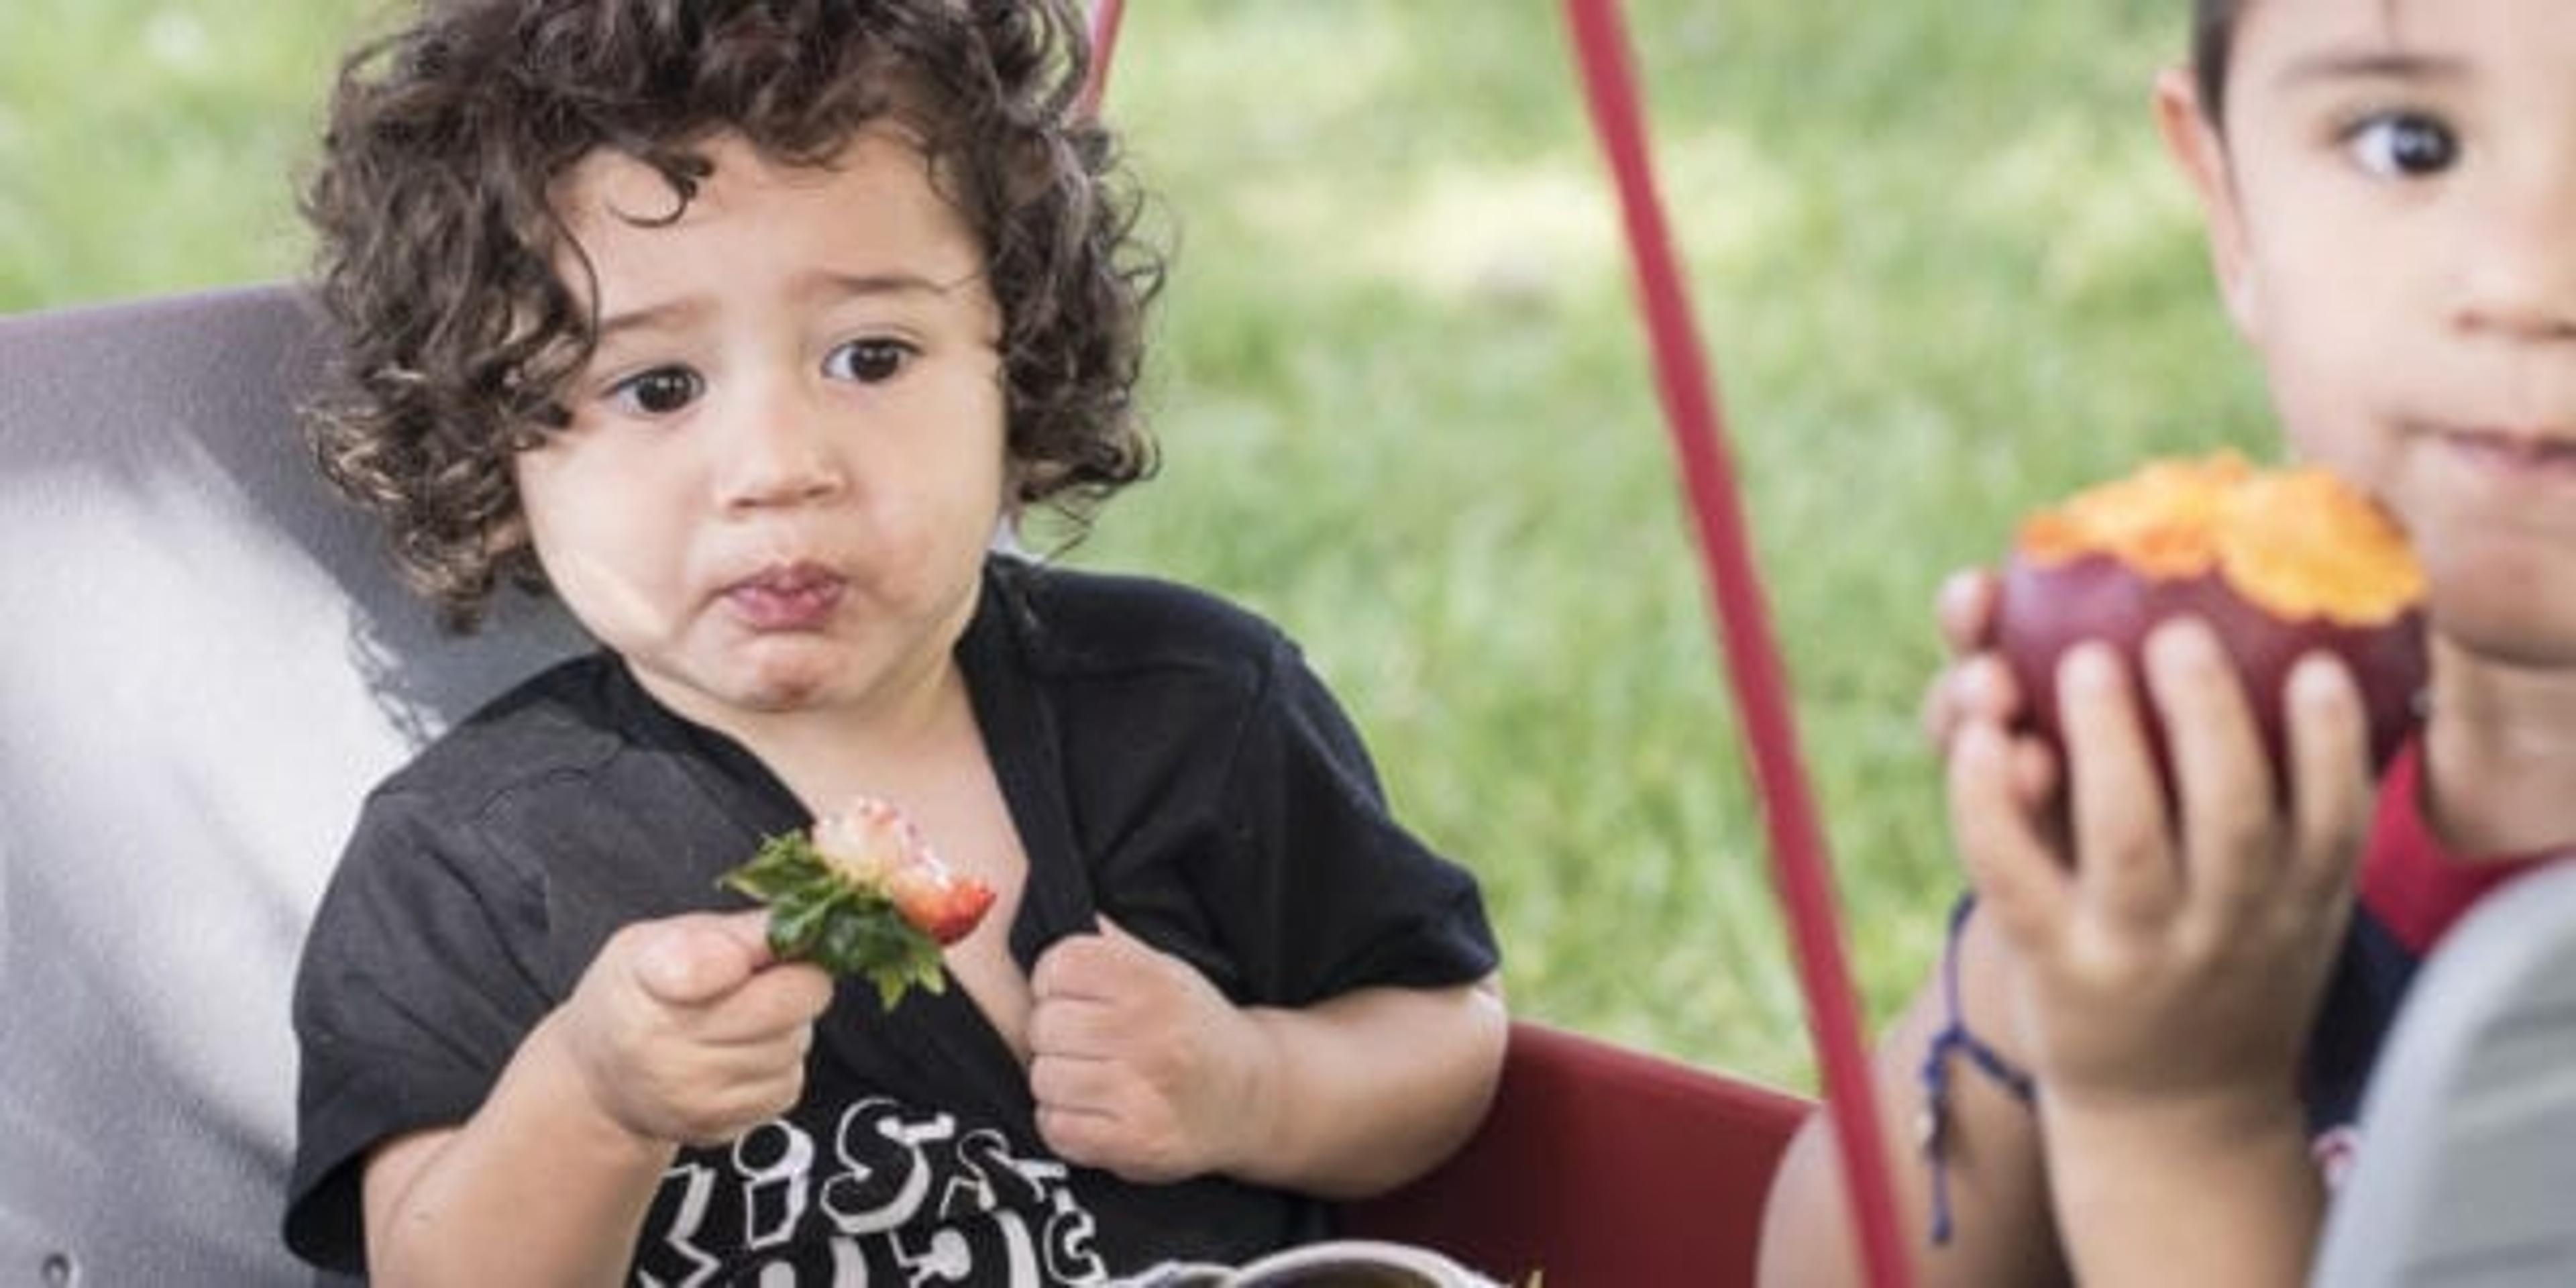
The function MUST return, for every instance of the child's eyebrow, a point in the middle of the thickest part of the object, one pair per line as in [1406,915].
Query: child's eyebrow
[677,314]
[659,317]
[854,285]
[2338,66]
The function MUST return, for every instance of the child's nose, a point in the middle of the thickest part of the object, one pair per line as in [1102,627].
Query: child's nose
[780,452]
[2519,274]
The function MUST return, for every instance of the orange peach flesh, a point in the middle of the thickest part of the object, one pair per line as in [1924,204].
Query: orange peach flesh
[2299,543]
[2281,563]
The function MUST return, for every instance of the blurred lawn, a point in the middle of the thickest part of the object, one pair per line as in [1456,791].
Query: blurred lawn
[1405,404]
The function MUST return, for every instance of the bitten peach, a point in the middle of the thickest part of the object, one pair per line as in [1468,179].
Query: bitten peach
[2281,562]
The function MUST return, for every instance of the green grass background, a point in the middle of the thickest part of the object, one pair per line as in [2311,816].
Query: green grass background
[1941,268]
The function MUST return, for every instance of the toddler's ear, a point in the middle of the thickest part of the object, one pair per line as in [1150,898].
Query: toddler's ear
[2200,151]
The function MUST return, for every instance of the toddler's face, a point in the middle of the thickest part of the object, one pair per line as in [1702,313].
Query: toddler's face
[2394,213]
[786,459]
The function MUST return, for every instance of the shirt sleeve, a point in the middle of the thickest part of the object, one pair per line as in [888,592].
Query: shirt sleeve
[1319,890]
[416,986]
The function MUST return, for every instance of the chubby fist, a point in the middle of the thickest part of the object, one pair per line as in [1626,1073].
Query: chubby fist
[1138,1064]
[689,1030]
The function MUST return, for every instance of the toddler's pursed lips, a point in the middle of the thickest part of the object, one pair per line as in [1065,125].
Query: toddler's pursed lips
[787,578]
[792,596]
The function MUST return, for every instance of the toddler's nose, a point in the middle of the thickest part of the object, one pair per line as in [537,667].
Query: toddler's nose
[779,454]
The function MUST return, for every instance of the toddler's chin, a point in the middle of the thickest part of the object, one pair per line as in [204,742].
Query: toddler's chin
[779,676]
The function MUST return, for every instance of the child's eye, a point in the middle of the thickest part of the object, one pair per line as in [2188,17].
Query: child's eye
[867,361]
[658,392]
[2403,145]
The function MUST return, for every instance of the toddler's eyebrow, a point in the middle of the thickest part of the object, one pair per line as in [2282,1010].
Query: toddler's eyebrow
[2373,65]
[850,285]
[676,314]
[656,318]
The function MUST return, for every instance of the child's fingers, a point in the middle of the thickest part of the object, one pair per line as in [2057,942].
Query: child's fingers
[1091,1138]
[1973,682]
[1127,948]
[747,1057]
[693,959]
[1073,1028]
[2021,881]
[2123,852]
[1978,687]
[2329,769]
[2035,775]
[686,960]
[1964,608]
[2230,839]
[736,1103]
[783,999]
[1096,967]
[1087,1084]
[748,928]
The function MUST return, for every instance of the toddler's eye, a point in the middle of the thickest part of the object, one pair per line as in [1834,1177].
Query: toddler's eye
[658,392]
[2403,145]
[867,361]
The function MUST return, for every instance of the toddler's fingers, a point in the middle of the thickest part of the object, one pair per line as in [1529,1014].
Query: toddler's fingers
[1964,607]
[2230,842]
[1078,967]
[1072,1028]
[2123,855]
[753,1058]
[2022,882]
[1078,1083]
[783,998]
[1117,934]
[696,958]
[740,1105]
[2329,739]
[1080,1137]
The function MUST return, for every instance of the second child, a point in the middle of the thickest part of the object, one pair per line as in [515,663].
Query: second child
[2141,1058]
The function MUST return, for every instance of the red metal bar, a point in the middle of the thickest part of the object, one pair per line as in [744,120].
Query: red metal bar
[1105,18]
[1800,873]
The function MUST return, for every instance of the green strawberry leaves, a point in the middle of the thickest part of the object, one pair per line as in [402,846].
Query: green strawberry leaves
[818,914]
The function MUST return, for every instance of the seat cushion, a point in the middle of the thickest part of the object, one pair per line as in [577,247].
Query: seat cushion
[206,663]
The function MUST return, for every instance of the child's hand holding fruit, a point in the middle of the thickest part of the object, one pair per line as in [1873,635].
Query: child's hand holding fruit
[2162,729]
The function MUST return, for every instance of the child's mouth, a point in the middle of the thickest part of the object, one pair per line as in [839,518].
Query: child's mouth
[2517,452]
[799,597]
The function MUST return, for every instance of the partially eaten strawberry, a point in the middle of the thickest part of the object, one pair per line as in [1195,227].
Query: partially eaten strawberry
[863,895]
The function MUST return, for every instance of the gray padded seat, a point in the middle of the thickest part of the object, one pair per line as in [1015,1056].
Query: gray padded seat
[205,661]
[2467,1175]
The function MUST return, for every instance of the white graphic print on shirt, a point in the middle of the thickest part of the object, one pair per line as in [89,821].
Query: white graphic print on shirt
[894,1197]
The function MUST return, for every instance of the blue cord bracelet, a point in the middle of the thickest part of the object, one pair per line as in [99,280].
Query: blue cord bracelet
[1933,1128]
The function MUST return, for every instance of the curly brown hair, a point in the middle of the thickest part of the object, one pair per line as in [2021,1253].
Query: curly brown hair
[439,244]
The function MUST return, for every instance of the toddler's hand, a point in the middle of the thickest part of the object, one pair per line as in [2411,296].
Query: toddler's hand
[1138,1064]
[2175,956]
[687,1030]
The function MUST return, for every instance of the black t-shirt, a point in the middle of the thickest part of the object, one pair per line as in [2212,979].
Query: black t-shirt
[1168,760]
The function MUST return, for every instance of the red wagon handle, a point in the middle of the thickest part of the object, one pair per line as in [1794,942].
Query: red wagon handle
[1800,874]
[1105,18]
